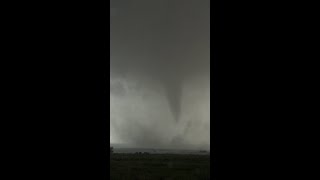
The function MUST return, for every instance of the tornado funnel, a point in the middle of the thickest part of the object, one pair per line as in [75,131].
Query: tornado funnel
[173,92]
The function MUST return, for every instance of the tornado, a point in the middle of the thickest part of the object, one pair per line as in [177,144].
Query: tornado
[173,92]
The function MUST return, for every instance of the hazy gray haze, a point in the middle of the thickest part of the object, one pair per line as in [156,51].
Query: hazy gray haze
[159,76]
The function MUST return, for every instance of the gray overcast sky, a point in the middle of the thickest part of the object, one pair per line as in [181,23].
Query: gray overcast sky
[160,58]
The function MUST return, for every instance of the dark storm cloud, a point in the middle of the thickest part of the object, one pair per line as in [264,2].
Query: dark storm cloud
[164,40]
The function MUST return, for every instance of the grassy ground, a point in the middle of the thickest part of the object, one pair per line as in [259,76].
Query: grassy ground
[159,167]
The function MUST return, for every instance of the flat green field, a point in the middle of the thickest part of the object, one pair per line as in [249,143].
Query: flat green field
[159,167]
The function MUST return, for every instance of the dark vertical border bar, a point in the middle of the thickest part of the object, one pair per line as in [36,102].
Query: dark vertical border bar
[217,47]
